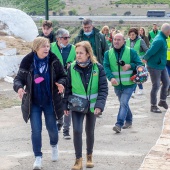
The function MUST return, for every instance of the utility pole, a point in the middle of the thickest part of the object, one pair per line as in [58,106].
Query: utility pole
[46,10]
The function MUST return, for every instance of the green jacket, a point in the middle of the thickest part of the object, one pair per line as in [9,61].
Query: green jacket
[100,45]
[134,62]
[156,55]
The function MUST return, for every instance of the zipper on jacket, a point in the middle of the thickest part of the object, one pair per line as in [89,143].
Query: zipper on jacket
[52,88]
[30,96]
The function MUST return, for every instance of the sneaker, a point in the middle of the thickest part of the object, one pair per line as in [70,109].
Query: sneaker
[54,156]
[155,109]
[66,135]
[127,125]
[140,92]
[163,104]
[117,129]
[38,163]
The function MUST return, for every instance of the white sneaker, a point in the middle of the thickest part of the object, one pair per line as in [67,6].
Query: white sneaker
[54,156]
[38,162]
[140,92]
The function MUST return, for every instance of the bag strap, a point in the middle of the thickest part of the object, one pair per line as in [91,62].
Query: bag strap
[90,84]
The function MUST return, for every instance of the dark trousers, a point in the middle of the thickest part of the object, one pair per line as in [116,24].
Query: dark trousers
[77,119]
[158,76]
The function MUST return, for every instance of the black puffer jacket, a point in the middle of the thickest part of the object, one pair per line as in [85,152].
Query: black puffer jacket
[24,79]
[85,74]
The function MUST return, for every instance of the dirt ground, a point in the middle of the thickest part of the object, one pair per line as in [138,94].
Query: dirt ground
[22,46]
[124,151]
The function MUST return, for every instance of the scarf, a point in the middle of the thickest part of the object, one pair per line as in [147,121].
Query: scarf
[41,79]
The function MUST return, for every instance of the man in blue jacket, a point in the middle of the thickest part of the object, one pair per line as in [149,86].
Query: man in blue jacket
[156,59]
[119,64]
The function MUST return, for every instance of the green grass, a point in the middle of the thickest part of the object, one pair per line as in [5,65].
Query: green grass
[34,7]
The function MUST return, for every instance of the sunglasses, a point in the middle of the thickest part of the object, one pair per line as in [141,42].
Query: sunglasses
[65,38]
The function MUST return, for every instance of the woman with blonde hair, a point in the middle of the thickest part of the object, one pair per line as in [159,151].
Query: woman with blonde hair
[39,83]
[85,95]
[105,30]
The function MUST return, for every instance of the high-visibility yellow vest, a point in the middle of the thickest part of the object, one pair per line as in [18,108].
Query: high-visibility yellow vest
[56,51]
[168,49]
[78,87]
[123,76]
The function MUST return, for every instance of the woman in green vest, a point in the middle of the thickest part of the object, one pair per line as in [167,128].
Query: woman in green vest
[108,36]
[139,45]
[86,79]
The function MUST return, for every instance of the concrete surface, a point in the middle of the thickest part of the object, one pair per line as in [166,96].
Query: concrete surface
[124,151]
[159,156]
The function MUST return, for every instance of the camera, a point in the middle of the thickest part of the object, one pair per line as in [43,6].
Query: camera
[121,62]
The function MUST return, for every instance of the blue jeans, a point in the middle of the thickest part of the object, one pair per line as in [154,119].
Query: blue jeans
[124,113]
[36,126]
[158,76]
[77,119]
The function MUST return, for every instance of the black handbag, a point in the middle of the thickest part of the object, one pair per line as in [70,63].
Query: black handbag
[79,104]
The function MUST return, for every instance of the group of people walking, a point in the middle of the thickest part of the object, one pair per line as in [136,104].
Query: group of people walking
[66,81]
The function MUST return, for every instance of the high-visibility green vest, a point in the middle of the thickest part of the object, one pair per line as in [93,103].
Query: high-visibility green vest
[153,35]
[136,46]
[78,87]
[168,49]
[124,75]
[56,51]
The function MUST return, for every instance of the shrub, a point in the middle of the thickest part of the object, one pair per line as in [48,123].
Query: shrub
[121,21]
[114,14]
[72,12]
[127,13]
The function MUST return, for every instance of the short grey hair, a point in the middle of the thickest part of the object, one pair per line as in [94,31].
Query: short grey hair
[60,32]
[87,21]
[165,27]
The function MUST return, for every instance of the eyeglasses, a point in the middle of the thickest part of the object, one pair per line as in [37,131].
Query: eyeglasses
[65,38]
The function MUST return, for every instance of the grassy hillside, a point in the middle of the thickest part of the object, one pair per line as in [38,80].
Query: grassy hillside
[142,2]
[88,7]
[33,7]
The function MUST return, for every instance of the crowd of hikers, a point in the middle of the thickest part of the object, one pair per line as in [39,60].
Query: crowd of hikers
[69,82]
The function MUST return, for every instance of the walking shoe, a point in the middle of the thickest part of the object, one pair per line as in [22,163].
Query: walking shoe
[140,92]
[117,129]
[89,163]
[66,135]
[78,164]
[38,163]
[155,109]
[127,125]
[163,104]
[54,156]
